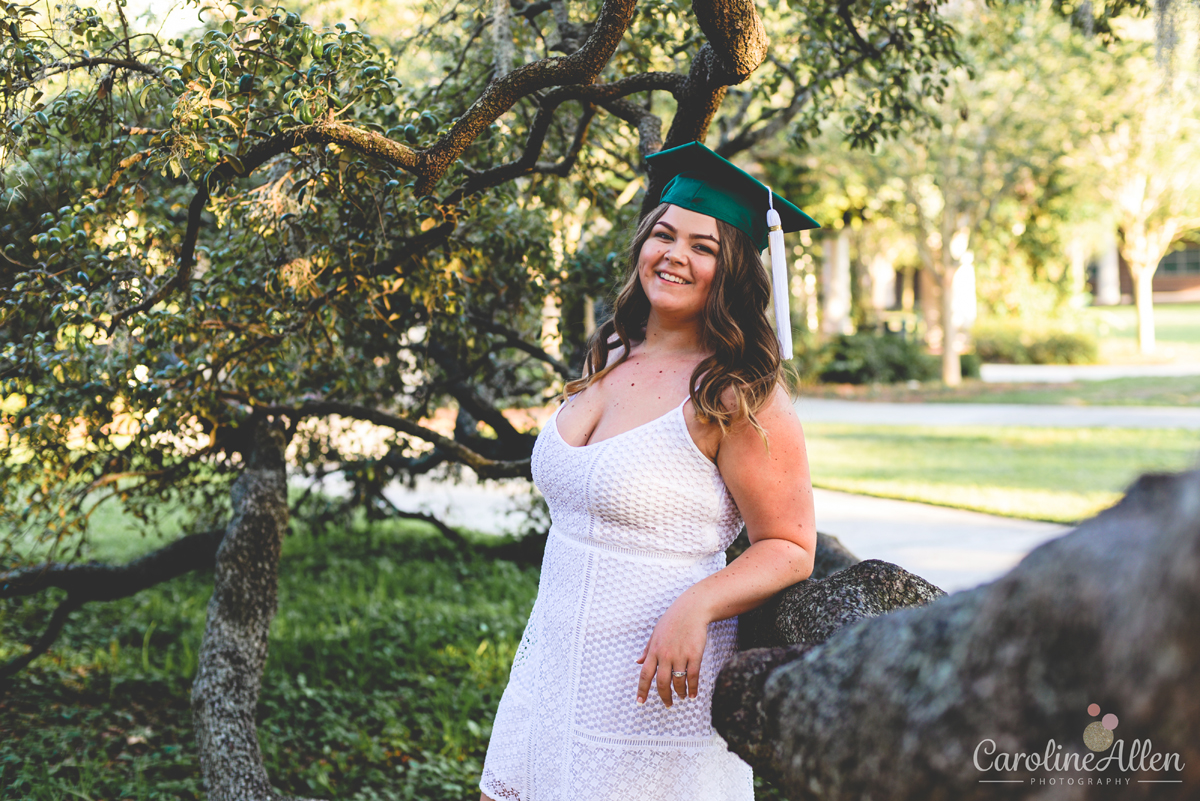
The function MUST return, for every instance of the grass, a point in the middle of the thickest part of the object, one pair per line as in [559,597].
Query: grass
[387,660]
[1173,322]
[1059,475]
[1150,391]
[1176,329]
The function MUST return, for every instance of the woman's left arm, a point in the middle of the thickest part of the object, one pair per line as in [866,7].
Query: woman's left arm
[771,486]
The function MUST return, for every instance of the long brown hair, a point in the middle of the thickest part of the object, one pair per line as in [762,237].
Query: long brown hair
[745,352]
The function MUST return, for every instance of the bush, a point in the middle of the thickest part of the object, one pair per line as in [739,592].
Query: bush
[871,358]
[1014,344]
[969,364]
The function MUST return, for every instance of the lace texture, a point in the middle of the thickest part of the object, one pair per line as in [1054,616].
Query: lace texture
[636,520]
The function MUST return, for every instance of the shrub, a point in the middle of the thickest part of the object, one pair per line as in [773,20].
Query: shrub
[871,358]
[1013,344]
[969,363]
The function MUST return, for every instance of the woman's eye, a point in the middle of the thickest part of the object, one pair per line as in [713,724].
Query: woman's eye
[663,235]
[705,249]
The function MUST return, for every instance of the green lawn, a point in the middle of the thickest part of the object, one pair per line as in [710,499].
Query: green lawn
[1173,322]
[1061,475]
[1154,391]
[387,660]
[1177,327]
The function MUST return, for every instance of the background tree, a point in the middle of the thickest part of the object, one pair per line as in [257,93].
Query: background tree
[989,180]
[215,250]
[1148,158]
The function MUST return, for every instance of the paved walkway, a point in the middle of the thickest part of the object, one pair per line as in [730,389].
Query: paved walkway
[821,410]
[1061,373]
[952,548]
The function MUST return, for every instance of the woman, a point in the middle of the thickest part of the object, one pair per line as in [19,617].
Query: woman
[678,431]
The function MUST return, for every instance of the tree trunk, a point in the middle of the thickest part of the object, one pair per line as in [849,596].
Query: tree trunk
[225,693]
[951,367]
[835,283]
[1108,272]
[920,704]
[1143,293]
[908,291]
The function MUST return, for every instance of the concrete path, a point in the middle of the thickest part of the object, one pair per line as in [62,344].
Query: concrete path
[952,548]
[1061,373]
[821,410]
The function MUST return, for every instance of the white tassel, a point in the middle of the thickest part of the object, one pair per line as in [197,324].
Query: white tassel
[779,287]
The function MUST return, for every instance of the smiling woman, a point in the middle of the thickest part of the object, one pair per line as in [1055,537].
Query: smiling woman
[678,261]
[649,467]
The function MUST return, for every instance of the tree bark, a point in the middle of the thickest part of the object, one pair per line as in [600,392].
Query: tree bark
[900,706]
[234,648]
[951,367]
[1143,293]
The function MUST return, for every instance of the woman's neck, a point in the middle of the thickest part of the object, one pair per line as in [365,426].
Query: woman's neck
[665,337]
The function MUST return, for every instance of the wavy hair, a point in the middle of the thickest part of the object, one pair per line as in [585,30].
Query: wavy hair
[736,329]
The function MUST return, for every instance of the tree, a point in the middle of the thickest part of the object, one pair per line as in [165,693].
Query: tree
[215,250]
[1149,158]
[986,179]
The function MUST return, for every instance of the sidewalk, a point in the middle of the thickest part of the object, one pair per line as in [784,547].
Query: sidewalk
[820,410]
[1062,373]
[951,548]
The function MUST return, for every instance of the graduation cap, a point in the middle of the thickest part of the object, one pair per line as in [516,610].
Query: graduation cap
[703,182]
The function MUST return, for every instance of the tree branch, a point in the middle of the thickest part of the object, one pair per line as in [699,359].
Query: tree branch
[750,136]
[97,581]
[470,401]
[99,61]
[369,143]
[514,340]
[587,94]
[484,467]
[581,67]
[445,530]
[843,12]
[736,33]
[649,126]
[42,643]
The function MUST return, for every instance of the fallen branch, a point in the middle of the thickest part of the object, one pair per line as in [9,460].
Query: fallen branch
[97,581]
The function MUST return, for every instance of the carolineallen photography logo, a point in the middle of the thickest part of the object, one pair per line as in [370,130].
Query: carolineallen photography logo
[1107,762]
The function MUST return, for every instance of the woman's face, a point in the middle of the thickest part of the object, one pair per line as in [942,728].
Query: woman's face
[678,261]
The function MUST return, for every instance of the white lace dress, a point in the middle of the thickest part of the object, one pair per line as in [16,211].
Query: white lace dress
[636,520]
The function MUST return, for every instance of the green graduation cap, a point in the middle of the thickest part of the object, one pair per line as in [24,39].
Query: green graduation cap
[702,181]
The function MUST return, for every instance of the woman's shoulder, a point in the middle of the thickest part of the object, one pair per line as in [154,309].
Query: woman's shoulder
[776,416]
